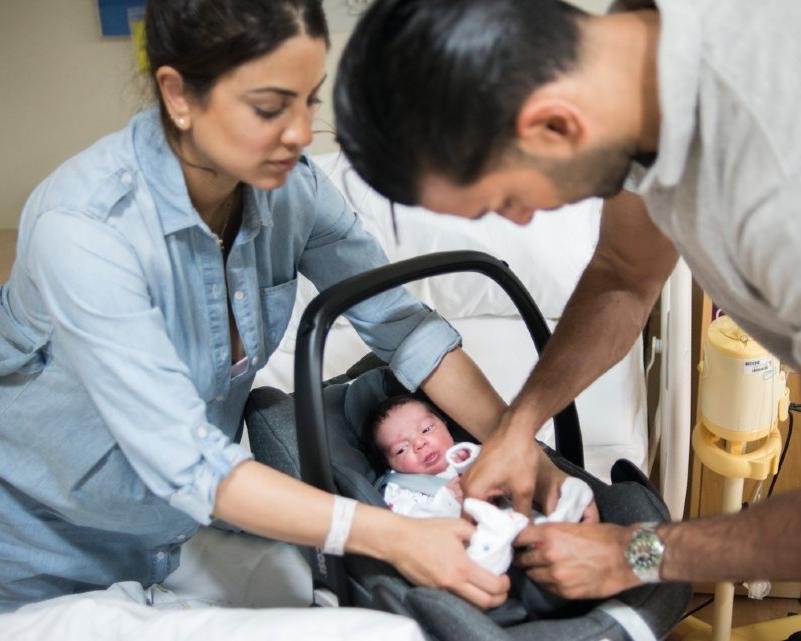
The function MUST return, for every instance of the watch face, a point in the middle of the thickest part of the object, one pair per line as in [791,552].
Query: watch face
[645,559]
[644,551]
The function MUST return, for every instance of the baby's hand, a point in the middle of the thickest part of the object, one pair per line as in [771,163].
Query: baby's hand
[456,489]
[461,455]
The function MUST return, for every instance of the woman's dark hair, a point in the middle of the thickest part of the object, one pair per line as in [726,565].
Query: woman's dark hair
[205,39]
[379,414]
[436,85]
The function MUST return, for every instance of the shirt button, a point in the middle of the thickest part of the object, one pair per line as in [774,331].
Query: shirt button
[181,537]
[160,556]
[239,295]
[202,432]
[254,360]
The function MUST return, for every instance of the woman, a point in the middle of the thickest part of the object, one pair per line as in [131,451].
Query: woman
[155,274]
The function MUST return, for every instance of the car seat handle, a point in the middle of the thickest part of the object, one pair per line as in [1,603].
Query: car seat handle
[325,308]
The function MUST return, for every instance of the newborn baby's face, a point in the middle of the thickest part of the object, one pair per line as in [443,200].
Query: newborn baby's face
[414,440]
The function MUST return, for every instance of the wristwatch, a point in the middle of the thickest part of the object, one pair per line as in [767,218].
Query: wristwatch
[645,551]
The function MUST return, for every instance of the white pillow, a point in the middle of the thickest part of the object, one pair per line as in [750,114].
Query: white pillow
[547,255]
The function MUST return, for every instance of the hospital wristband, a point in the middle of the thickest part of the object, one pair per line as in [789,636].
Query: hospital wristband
[341,521]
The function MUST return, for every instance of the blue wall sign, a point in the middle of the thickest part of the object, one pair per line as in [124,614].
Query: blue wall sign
[114,16]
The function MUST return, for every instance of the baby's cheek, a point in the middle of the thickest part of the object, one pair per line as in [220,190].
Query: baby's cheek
[406,464]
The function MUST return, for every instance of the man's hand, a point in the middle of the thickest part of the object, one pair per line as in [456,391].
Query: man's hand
[511,463]
[577,560]
[549,486]
[431,552]
[506,466]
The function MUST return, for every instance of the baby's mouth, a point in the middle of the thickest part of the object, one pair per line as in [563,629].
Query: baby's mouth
[431,459]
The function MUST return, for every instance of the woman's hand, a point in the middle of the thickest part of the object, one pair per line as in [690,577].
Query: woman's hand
[577,560]
[431,552]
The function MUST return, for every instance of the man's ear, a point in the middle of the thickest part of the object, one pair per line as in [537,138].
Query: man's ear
[171,86]
[550,125]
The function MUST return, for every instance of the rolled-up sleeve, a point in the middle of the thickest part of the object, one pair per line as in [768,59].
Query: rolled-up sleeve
[109,333]
[398,328]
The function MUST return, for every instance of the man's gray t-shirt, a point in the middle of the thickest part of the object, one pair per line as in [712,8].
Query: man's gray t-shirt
[726,183]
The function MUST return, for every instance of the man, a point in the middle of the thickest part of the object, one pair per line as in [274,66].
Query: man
[469,106]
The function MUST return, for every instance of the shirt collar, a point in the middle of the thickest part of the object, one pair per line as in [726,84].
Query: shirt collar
[166,182]
[679,62]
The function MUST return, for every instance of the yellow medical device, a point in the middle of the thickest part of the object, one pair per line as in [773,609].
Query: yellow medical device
[742,397]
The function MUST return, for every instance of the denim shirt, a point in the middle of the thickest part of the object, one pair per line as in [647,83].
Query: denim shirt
[118,410]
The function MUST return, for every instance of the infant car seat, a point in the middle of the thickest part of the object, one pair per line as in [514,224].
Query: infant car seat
[317,436]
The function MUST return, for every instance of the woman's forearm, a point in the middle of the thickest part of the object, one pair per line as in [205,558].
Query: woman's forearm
[266,502]
[426,551]
[461,390]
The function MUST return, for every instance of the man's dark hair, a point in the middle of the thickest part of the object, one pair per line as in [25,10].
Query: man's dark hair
[435,86]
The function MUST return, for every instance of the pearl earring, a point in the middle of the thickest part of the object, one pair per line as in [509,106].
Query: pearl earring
[180,121]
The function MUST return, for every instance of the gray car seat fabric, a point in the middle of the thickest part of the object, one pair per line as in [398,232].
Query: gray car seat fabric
[642,614]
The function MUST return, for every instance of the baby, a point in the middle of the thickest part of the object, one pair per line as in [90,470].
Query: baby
[412,439]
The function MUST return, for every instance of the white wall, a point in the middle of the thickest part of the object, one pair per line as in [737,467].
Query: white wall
[63,85]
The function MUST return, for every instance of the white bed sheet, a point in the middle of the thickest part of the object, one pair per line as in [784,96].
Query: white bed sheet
[93,619]
[230,586]
[612,411]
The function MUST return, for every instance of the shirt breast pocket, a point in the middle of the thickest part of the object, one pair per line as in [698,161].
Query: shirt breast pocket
[276,309]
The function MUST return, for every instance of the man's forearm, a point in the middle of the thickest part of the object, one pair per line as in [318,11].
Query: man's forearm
[600,324]
[758,543]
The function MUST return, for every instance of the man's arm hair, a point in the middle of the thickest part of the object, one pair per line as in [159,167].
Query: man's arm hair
[606,312]
[758,543]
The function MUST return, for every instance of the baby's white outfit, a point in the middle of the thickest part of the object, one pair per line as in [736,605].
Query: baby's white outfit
[496,528]
[429,498]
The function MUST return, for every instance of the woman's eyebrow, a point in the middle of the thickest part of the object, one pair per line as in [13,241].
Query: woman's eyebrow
[283,92]
[286,92]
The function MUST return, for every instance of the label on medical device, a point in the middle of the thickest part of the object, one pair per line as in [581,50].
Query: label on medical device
[758,365]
